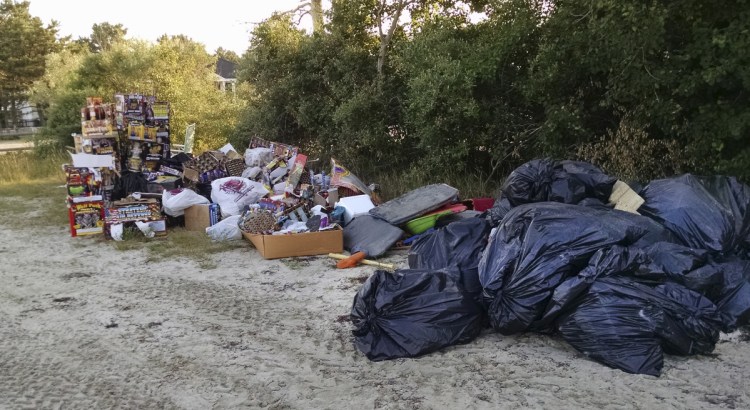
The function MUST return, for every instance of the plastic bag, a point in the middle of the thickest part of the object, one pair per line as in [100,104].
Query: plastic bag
[175,202]
[543,180]
[704,212]
[234,193]
[628,325]
[412,313]
[258,157]
[225,230]
[727,284]
[537,246]
[456,247]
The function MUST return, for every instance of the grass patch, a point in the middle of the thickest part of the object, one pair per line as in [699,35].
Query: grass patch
[179,243]
[36,205]
[297,263]
[29,168]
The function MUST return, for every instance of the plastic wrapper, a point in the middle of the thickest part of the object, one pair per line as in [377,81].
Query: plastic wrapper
[411,313]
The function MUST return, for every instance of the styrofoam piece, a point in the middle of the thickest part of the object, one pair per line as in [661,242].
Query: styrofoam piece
[226,148]
[354,206]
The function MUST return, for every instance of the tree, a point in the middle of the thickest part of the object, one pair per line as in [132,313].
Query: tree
[104,35]
[677,70]
[176,69]
[24,45]
[228,55]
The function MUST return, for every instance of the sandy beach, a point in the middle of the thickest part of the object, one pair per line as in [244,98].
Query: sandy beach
[89,326]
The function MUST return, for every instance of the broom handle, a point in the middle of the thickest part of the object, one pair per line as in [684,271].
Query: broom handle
[364,261]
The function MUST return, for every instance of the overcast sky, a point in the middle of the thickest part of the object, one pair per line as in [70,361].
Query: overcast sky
[215,23]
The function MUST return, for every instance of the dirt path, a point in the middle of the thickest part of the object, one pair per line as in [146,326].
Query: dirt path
[88,326]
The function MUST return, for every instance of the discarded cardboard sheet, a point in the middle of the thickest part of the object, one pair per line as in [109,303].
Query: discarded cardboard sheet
[624,198]
[93,161]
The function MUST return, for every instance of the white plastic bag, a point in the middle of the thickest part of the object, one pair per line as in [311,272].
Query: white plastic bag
[251,173]
[258,157]
[175,203]
[225,230]
[234,193]
[115,231]
[146,228]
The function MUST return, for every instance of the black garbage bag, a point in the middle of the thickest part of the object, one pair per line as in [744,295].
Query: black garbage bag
[629,325]
[454,248]
[411,313]
[703,212]
[727,284]
[676,261]
[537,246]
[542,180]
[615,260]
[128,183]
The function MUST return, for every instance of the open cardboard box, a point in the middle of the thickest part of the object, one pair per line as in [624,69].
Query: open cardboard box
[200,217]
[298,244]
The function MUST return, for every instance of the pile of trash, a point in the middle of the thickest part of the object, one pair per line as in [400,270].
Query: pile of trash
[271,190]
[622,281]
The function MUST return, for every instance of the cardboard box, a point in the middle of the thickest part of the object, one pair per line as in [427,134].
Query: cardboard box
[86,217]
[143,210]
[200,217]
[300,244]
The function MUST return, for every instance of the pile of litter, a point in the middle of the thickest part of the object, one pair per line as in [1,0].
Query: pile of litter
[555,255]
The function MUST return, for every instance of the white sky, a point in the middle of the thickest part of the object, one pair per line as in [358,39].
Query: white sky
[215,23]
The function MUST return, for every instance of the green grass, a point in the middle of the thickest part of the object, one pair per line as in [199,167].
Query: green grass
[26,202]
[36,205]
[28,168]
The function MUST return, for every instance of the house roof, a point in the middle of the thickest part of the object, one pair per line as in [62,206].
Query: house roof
[225,68]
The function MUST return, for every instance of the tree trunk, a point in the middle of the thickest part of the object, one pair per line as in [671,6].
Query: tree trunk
[13,111]
[385,38]
[316,10]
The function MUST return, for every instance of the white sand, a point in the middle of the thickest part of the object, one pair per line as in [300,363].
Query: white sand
[87,326]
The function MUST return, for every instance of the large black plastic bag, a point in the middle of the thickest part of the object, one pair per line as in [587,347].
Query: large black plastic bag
[538,245]
[628,325]
[542,180]
[411,313]
[727,284]
[457,248]
[704,212]
[616,260]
